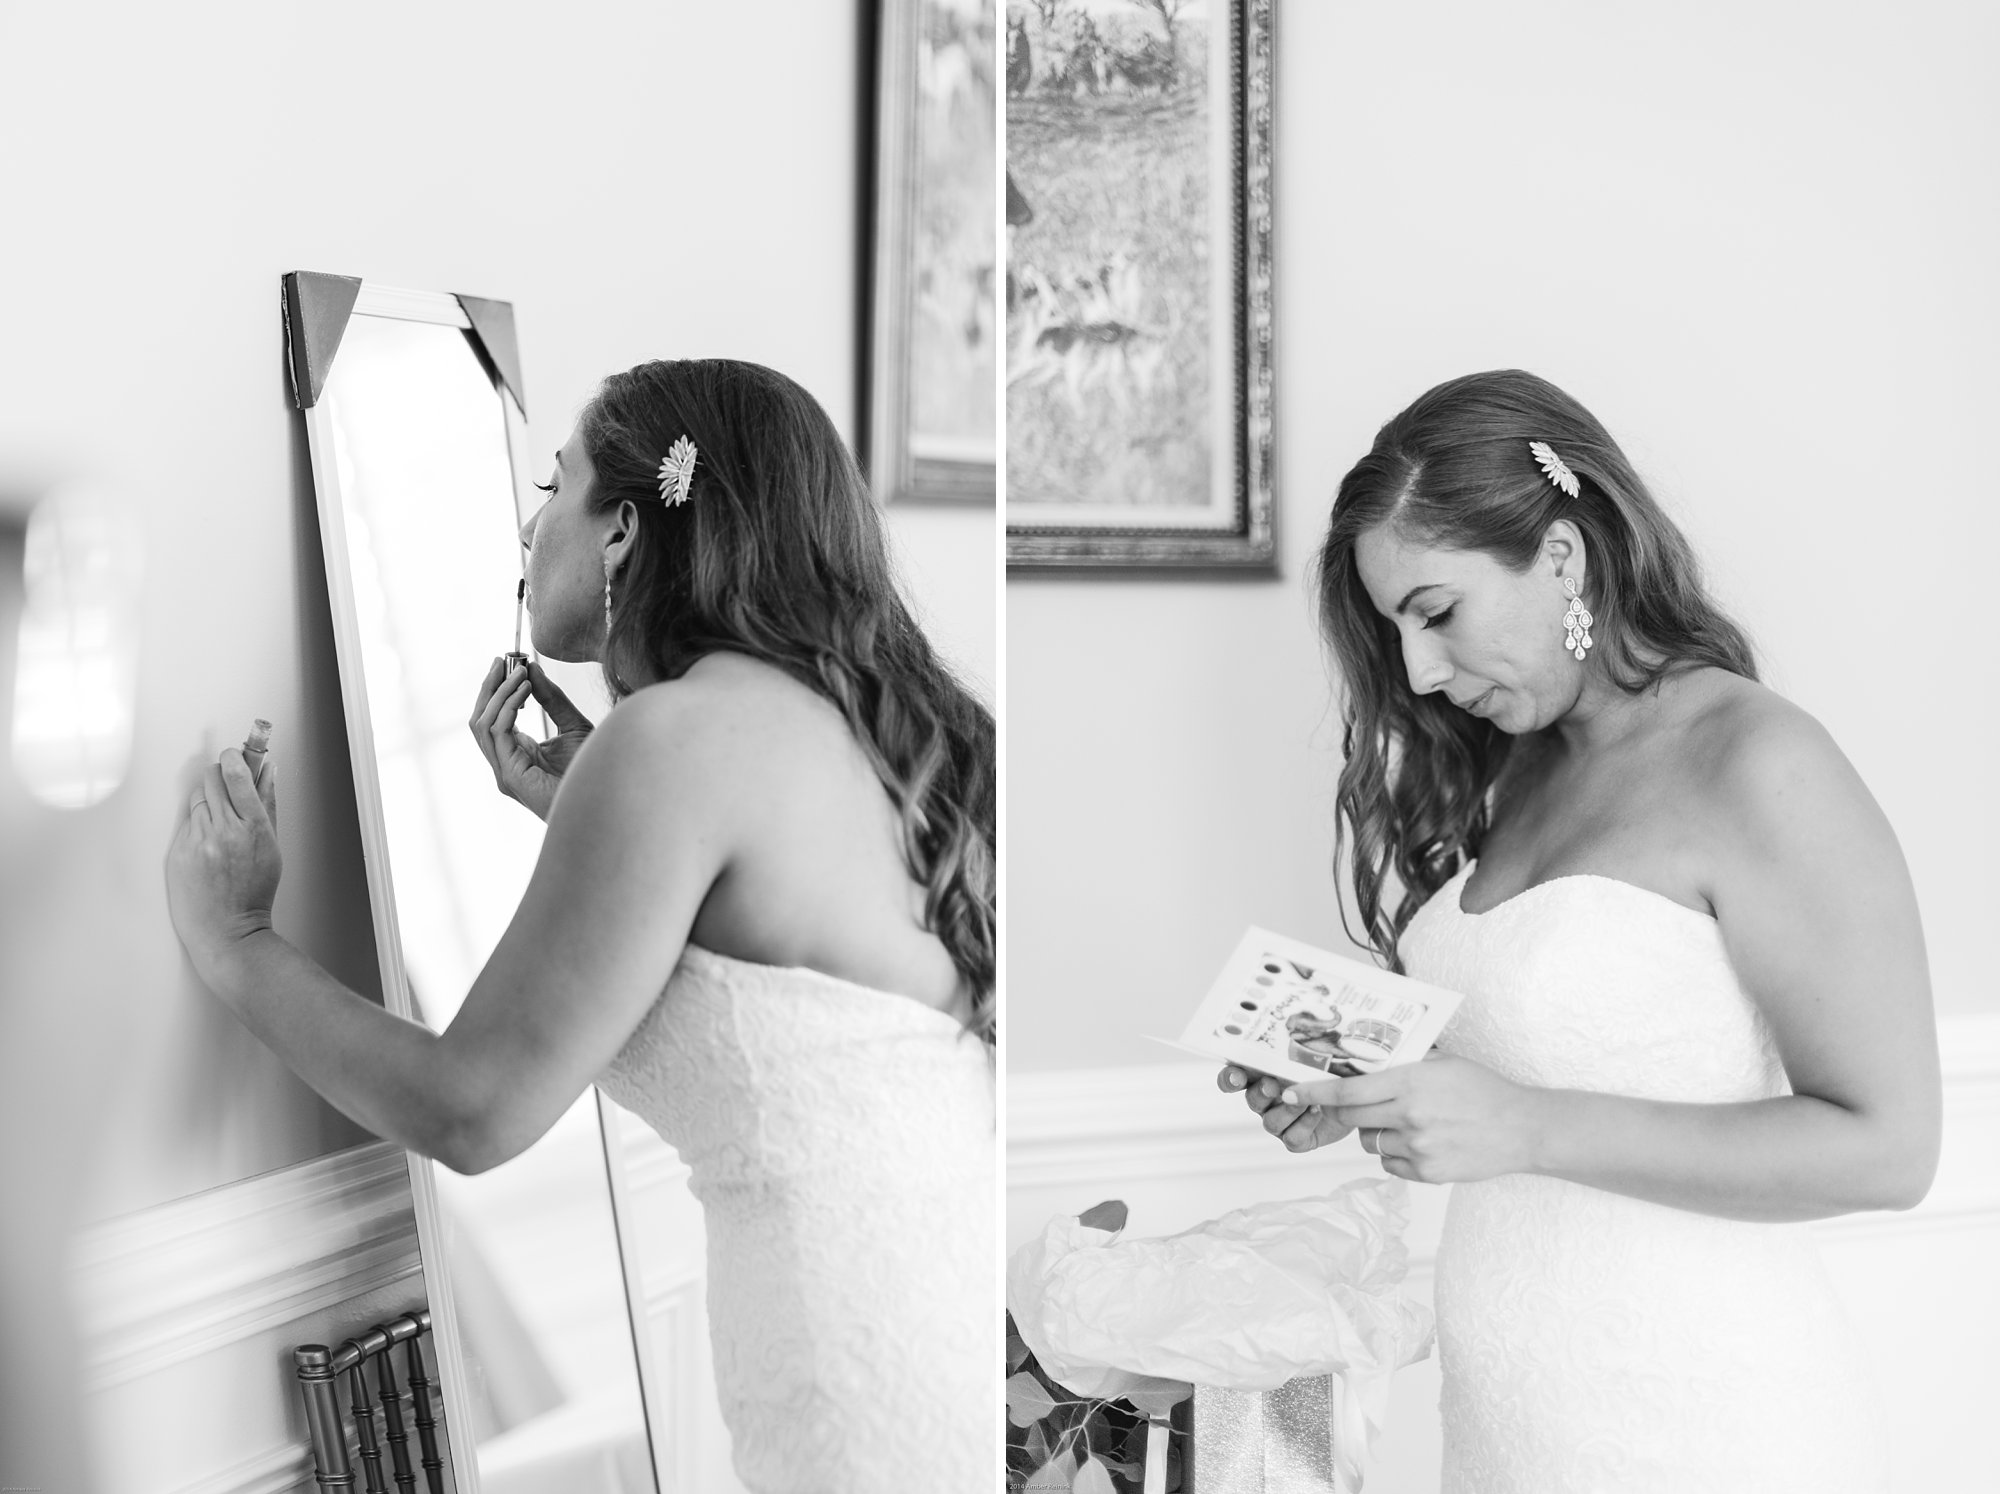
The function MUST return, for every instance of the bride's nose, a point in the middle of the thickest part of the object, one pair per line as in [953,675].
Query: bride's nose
[528,530]
[1428,669]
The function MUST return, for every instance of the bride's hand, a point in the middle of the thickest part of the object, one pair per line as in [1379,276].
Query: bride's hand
[524,769]
[1301,1127]
[223,862]
[1445,1120]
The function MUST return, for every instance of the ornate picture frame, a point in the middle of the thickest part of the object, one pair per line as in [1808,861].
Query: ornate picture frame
[933,349]
[1139,285]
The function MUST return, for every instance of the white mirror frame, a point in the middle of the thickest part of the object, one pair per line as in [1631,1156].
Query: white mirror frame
[439,309]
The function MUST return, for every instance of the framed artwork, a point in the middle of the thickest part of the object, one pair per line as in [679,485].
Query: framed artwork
[1138,284]
[933,354]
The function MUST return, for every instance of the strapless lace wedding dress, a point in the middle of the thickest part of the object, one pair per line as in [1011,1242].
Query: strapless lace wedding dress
[841,1143]
[1597,1344]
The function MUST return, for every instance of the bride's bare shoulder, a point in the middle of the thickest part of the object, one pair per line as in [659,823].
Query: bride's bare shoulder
[738,711]
[1768,767]
[1730,724]
[716,753]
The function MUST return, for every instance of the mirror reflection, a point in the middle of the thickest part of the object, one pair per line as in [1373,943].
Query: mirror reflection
[421,451]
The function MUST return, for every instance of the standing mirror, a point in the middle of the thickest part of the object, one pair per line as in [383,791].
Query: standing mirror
[416,422]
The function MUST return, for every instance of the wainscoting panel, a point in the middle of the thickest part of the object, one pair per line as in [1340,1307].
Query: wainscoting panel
[1921,1285]
[189,1313]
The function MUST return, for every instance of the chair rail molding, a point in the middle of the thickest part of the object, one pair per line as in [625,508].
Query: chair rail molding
[188,1277]
[1165,1133]
[213,1290]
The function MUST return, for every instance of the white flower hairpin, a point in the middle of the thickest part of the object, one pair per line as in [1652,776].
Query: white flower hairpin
[677,471]
[1553,467]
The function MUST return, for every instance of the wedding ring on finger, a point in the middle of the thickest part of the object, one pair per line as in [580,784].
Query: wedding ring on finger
[1371,1140]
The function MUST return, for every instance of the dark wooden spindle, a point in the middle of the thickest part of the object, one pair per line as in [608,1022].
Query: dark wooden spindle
[420,1400]
[364,1429]
[392,1416]
[314,1366]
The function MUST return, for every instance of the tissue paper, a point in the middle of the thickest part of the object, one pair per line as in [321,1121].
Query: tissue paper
[1260,1296]
[1255,1300]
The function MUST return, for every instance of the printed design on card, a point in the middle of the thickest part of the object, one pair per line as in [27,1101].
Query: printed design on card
[1287,1009]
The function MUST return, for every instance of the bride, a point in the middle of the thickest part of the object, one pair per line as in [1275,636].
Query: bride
[1696,998]
[762,918]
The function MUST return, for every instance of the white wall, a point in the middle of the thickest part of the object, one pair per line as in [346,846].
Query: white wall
[1755,240]
[639,179]
[949,561]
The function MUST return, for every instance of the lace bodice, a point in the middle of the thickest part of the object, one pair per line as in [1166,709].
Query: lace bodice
[1592,1342]
[841,1142]
[1603,986]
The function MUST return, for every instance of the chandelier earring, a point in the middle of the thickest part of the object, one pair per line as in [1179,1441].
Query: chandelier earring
[607,599]
[1576,621]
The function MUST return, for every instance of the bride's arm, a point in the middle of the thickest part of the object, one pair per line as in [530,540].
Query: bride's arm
[1820,921]
[636,839]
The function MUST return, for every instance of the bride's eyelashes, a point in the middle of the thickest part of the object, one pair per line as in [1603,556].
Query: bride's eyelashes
[546,487]
[1439,619]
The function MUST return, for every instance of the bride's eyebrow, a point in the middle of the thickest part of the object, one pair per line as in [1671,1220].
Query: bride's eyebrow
[1411,595]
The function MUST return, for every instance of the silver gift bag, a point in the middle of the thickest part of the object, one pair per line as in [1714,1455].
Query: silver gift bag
[1279,1441]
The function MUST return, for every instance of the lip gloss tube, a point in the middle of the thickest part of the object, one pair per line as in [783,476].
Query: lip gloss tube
[520,602]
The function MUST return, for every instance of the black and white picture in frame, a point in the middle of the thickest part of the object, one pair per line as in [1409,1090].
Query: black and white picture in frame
[1138,286]
[933,350]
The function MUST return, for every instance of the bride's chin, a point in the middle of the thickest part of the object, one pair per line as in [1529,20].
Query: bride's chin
[561,652]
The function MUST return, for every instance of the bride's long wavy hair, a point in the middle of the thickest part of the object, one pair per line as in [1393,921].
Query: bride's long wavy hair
[1454,471]
[779,553]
